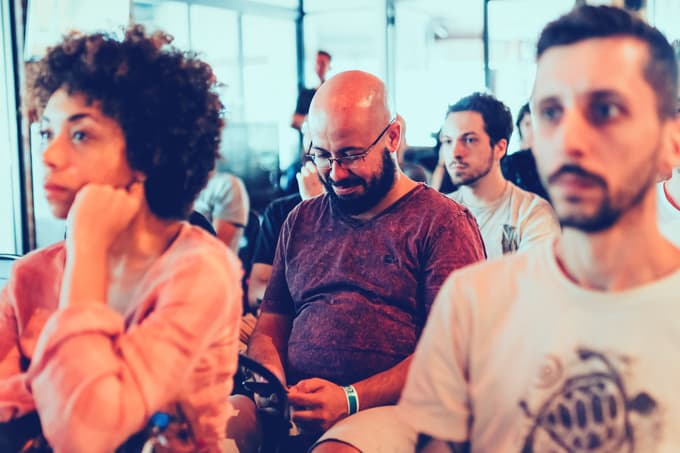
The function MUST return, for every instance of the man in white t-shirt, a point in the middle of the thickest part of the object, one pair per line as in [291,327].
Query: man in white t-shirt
[225,203]
[474,138]
[572,346]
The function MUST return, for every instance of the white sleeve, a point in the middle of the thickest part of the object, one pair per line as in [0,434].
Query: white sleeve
[233,204]
[435,400]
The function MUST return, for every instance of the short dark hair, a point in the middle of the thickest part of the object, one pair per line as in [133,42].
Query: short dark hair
[164,100]
[496,115]
[325,54]
[524,110]
[589,22]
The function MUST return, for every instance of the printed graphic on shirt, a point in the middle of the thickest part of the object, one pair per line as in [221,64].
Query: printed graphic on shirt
[510,239]
[586,407]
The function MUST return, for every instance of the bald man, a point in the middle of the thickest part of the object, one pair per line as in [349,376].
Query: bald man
[356,269]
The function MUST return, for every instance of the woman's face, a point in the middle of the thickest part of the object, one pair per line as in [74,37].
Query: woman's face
[80,146]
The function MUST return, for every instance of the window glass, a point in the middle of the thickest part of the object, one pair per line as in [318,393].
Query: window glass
[514,28]
[10,232]
[330,6]
[439,58]
[284,3]
[665,15]
[171,17]
[359,46]
[48,20]
[214,35]
[270,100]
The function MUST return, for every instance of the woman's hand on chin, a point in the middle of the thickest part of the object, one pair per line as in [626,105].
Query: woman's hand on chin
[99,214]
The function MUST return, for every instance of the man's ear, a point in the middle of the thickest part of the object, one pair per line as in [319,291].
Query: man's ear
[675,142]
[394,136]
[670,151]
[500,148]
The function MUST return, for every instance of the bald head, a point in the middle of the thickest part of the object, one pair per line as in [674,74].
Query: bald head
[354,142]
[350,100]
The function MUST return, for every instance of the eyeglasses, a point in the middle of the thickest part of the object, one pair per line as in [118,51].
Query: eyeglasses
[324,162]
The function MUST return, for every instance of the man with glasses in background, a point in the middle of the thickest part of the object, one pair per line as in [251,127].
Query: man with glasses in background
[356,269]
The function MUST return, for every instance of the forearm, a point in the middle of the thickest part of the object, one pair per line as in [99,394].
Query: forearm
[85,278]
[15,397]
[82,382]
[228,233]
[268,344]
[256,289]
[10,356]
[259,278]
[383,388]
[263,349]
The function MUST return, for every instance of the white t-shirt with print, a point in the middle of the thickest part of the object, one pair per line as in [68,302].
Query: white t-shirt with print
[515,221]
[517,358]
[668,216]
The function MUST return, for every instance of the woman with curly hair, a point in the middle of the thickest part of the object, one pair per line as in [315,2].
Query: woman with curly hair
[137,311]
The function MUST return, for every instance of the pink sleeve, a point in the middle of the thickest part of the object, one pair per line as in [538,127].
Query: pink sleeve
[95,384]
[15,398]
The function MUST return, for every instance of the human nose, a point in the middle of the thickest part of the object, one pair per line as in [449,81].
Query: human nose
[54,153]
[459,150]
[337,170]
[573,133]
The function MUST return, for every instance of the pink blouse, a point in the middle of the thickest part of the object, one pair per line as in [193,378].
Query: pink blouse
[96,375]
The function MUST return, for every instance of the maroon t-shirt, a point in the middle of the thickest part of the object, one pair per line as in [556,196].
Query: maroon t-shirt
[359,291]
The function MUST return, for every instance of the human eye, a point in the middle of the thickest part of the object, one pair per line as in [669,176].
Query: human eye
[470,140]
[320,160]
[550,112]
[78,136]
[603,111]
[45,135]
[353,156]
[317,156]
[446,141]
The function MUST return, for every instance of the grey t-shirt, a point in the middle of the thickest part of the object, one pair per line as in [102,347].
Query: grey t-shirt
[360,291]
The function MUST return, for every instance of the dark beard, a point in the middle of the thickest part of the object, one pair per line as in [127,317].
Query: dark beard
[375,189]
[609,211]
[471,180]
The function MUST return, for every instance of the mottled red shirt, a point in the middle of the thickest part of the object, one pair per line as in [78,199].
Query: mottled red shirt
[359,291]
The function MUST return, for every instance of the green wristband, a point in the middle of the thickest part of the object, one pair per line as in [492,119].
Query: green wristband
[352,399]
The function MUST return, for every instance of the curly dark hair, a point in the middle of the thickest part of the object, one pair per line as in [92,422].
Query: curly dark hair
[164,100]
[590,22]
[496,115]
